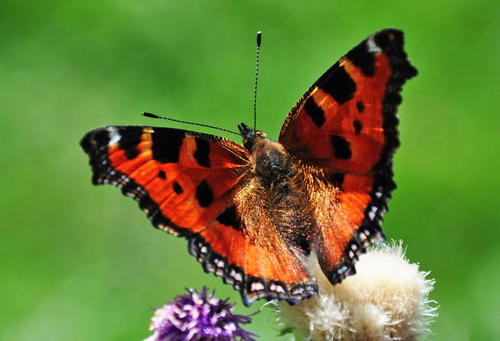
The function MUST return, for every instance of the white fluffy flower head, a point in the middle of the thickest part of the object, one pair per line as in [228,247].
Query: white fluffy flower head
[387,299]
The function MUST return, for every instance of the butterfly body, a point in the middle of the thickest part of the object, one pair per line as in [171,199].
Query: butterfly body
[274,198]
[253,214]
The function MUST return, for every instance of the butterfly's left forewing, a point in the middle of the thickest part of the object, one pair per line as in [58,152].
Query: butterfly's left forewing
[344,132]
[181,179]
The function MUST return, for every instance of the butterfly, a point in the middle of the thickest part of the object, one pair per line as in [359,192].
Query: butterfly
[253,213]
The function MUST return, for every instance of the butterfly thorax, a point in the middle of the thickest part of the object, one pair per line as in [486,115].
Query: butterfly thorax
[269,159]
[270,162]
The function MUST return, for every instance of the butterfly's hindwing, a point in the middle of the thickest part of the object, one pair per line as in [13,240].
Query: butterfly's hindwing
[253,269]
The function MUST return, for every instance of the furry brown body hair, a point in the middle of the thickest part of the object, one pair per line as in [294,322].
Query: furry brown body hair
[272,200]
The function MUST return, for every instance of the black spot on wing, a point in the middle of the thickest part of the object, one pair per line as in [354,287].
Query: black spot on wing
[339,85]
[177,188]
[363,59]
[230,218]
[202,152]
[361,106]
[162,175]
[341,147]
[204,194]
[167,144]
[95,139]
[130,137]
[357,126]
[315,112]
[337,180]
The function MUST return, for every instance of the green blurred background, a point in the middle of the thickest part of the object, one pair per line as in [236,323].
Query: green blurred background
[83,263]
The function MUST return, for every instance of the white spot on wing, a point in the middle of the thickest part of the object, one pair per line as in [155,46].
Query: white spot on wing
[236,275]
[372,212]
[372,46]
[298,291]
[256,286]
[277,288]
[114,136]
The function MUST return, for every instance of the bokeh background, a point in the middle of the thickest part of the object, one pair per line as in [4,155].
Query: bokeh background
[79,262]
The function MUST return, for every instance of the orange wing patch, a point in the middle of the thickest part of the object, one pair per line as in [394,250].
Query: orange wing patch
[346,126]
[349,227]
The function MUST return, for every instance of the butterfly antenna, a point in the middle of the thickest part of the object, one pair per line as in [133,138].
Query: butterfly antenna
[147,114]
[257,54]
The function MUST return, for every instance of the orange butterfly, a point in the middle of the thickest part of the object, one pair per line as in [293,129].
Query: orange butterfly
[252,214]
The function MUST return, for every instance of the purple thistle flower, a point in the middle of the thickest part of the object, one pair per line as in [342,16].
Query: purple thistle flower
[198,316]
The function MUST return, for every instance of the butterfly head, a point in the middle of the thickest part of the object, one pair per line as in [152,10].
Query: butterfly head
[250,136]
